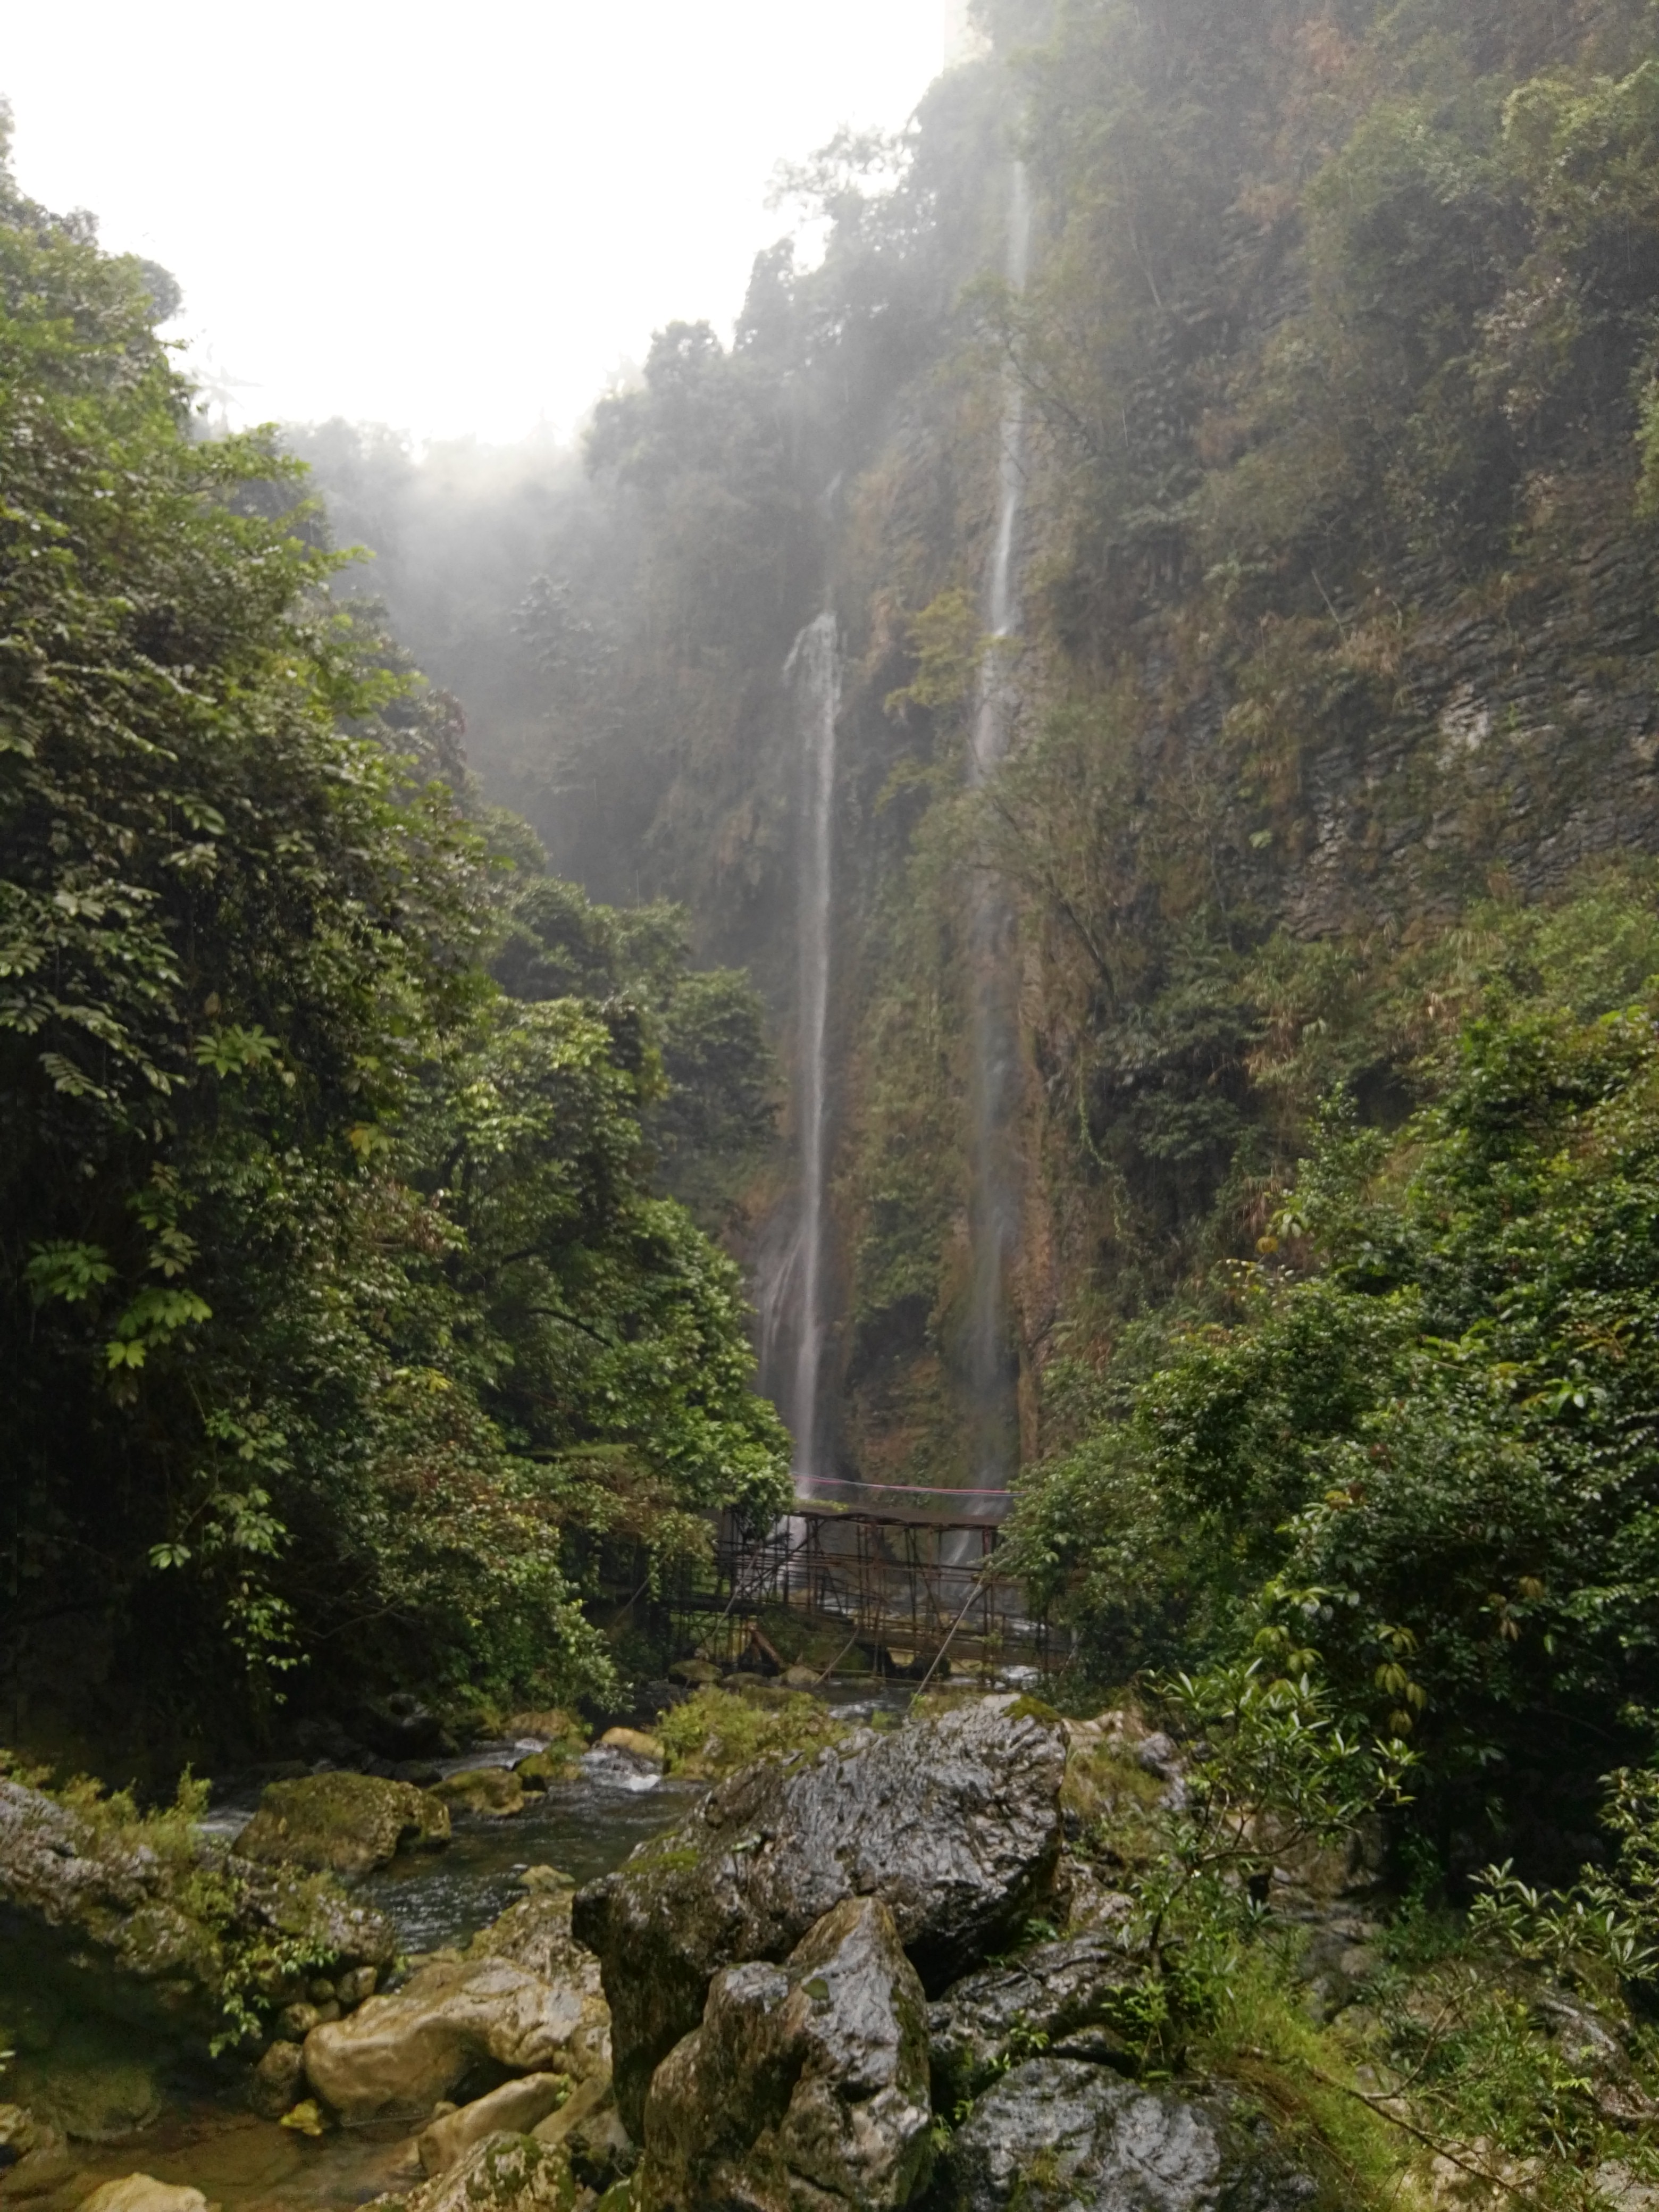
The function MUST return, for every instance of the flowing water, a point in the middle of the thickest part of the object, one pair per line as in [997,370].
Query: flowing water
[793,1298]
[993,1371]
[584,1827]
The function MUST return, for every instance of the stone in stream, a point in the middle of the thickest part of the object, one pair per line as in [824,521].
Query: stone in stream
[343,1823]
[516,2108]
[954,1823]
[806,2083]
[504,2173]
[1049,1994]
[277,2086]
[1057,2135]
[401,2053]
[35,2159]
[141,2192]
[646,1748]
[494,1791]
[535,1934]
[108,1914]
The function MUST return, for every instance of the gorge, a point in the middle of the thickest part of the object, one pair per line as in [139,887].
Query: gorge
[1007,935]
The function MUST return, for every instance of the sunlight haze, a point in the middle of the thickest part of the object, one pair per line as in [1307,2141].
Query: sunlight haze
[456,223]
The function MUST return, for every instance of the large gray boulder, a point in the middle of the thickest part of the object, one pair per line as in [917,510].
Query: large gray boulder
[1050,1995]
[953,1823]
[806,2083]
[1058,2135]
[155,1925]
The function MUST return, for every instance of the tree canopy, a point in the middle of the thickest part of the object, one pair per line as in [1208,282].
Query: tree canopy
[338,1283]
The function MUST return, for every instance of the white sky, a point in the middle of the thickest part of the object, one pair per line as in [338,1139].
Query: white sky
[454,220]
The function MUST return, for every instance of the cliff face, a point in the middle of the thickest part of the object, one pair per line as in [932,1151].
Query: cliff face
[1337,582]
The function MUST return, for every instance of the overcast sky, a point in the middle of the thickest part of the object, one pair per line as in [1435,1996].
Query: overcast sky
[455,220]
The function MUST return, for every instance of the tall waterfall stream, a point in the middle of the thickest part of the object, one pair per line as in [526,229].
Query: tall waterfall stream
[995,1197]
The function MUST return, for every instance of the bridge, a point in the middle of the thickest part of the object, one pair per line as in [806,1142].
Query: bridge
[895,1580]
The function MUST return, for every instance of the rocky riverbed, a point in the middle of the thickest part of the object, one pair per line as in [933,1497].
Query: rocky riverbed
[893,1970]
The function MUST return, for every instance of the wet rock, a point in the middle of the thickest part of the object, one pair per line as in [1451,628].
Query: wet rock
[589,2129]
[806,2082]
[343,1823]
[503,2173]
[276,2081]
[401,2053]
[1053,1992]
[141,2192]
[542,1769]
[636,1744]
[954,1823]
[1059,2136]
[535,1934]
[494,1791]
[401,1728]
[108,1914]
[516,2108]
[537,1879]
[34,2155]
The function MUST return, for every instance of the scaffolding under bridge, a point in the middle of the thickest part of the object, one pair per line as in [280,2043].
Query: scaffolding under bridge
[904,1584]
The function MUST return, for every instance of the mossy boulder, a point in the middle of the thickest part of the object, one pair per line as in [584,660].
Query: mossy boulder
[505,2173]
[954,1824]
[147,1921]
[343,1823]
[493,1792]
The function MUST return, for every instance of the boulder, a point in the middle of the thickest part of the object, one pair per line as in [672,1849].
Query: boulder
[589,2129]
[141,2192]
[953,1822]
[535,1934]
[110,1913]
[277,2079]
[1057,2135]
[1050,1996]
[494,1791]
[806,2083]
[516,2108]
[35,2159]
[636,1744]
[503,2173]
[400,2054]
[542,1769]
[694,1674]
[343,1823]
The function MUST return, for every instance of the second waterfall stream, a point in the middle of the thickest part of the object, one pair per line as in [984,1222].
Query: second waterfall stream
[813,674]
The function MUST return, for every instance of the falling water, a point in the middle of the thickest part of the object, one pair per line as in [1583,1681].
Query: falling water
[793,1303]
[995,1201]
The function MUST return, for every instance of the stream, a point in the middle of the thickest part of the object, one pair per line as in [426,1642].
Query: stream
[585,1827]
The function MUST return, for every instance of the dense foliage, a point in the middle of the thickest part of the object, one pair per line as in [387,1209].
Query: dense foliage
[1410,1445]
[337,1287]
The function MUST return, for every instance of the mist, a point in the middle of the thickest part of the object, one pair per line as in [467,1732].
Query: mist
[457,232]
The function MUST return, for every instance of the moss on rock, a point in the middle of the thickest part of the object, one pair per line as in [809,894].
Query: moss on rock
[343,1823]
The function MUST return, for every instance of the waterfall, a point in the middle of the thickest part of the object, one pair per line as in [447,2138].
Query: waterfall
[792,1300]
[994,1209]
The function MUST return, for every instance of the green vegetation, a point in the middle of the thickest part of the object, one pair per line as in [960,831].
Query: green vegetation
[715,1732]
[338,1288]
[1406,1446]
